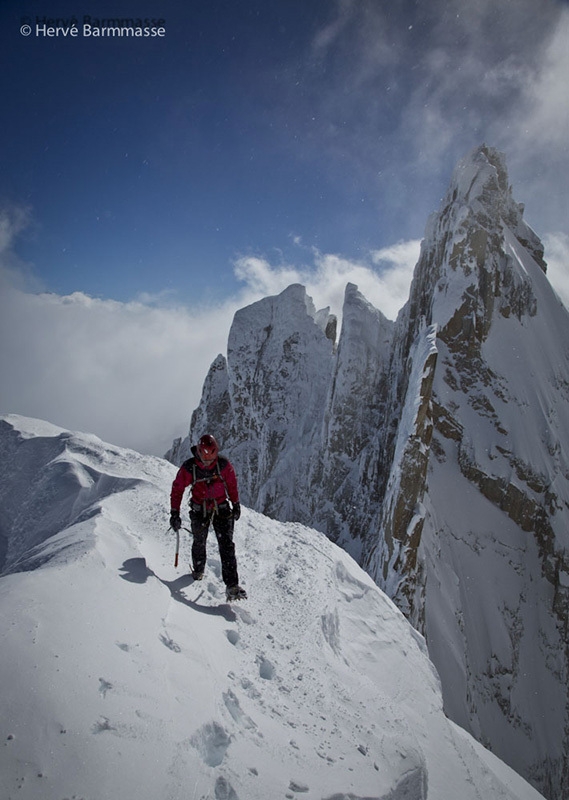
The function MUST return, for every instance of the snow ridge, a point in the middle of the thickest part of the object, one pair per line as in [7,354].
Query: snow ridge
[122,678]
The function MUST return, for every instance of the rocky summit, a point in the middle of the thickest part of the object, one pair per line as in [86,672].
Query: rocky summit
[435,450]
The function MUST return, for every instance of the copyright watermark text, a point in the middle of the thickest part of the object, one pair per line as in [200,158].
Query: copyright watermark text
[89,27]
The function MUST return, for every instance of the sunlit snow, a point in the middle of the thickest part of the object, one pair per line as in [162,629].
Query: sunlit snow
[124,680]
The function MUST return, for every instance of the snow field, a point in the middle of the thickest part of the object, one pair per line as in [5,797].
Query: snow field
[124,679]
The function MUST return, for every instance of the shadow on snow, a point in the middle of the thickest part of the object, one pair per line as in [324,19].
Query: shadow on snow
[135,570]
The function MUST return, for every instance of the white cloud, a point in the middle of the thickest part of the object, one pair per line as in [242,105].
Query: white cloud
[399,260]
[129,372]
[384,280]
[557,257]
[262,279]
[546,108]
[132,372]
[12,222]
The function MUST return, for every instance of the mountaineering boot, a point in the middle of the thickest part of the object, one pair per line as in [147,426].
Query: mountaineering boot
[196,575]
[235,593]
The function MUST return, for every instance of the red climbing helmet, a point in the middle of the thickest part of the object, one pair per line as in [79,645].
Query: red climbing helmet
[207,449]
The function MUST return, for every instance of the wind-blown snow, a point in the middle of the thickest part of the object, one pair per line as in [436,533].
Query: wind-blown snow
[122,679]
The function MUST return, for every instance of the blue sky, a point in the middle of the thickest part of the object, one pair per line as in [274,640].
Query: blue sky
[255,141]
[150,165]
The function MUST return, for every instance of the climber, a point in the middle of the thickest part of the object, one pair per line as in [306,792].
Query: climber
[214,499]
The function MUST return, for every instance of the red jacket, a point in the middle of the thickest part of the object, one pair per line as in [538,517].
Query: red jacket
[212,485]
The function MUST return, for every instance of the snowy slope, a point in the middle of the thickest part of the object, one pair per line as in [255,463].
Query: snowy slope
[123,679]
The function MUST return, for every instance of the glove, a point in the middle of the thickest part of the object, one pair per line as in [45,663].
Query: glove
[175,520]
[236,511]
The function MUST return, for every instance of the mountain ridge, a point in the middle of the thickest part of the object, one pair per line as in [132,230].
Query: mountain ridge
[124,679]
[437,441]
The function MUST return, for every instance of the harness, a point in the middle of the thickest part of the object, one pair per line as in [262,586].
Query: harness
[203,507]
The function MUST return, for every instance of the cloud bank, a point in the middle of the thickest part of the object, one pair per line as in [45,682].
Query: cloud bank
[557,257]
[132,372]
[384,278]
[128,372]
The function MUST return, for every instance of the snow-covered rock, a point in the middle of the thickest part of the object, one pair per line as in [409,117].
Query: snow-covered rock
[486,587]
[484,528]
[123,679]
[435,450]
[266,399]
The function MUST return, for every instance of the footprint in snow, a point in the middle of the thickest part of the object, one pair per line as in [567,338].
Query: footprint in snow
[250,689]
[211,741]
[103,724]
[295,786]
[244,616]
[170,644]
[224,790]
[104,686]
[266,668]
[232,636]
[233,706]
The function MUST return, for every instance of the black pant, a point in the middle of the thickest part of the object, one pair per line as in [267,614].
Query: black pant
[222,520]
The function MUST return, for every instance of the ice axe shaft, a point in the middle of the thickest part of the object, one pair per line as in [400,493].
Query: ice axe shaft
[177,547]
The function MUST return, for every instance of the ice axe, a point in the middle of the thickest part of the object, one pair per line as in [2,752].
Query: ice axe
[177,547]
